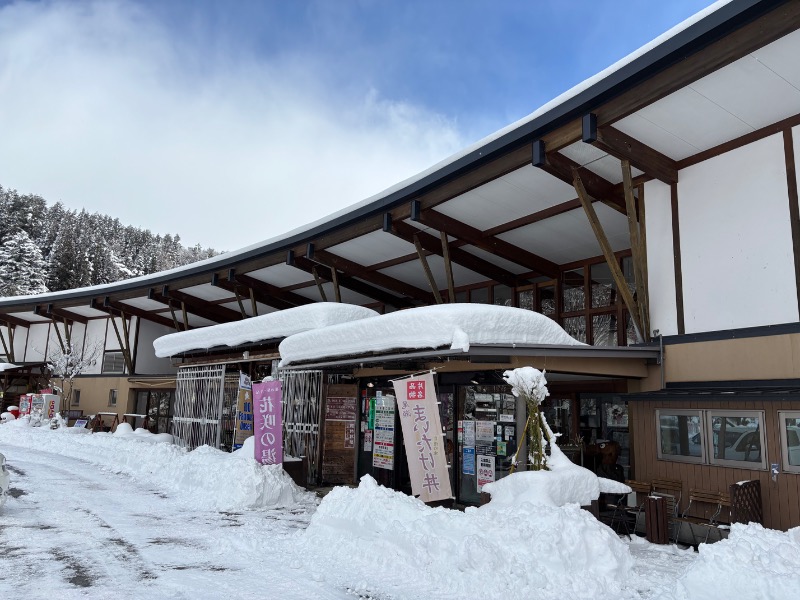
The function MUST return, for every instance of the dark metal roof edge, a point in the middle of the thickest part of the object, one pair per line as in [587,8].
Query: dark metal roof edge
[733,334]
[486,350]
[694,38]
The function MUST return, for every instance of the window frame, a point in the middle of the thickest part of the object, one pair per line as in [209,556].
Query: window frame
[112,394]
[679,412]
[782,416]
[76,398]
[106,354]
[727,462]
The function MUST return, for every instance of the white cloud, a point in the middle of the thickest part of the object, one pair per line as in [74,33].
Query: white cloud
[105,108]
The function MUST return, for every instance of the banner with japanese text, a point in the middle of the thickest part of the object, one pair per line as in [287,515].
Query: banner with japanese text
[423,438]
[243,428]
[268,422]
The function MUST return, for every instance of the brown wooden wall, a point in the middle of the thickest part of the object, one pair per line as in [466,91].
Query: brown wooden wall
[781,499]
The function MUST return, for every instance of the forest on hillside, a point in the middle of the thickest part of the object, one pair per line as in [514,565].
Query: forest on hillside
[51,248]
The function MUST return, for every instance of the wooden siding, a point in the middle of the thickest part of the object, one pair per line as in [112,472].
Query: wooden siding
[781,499]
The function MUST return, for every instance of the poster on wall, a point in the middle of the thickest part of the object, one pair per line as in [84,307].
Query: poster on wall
[268,424]
[423,437]
[469,433]
[485,471]
[485,438]
[243,428]
[368,440]
[339,434]
[468,461]
[383,440]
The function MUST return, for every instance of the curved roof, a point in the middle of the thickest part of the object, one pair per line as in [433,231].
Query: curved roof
[662,108]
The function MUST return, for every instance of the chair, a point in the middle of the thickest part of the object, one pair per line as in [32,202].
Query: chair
[628,515]
[710,505]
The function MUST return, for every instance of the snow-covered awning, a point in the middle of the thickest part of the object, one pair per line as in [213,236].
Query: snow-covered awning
[7,367]
[453,326]
[273,326]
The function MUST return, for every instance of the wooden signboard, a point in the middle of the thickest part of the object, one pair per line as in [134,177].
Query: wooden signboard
[339,448]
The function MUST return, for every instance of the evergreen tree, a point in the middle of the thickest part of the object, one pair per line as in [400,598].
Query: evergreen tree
[22,267]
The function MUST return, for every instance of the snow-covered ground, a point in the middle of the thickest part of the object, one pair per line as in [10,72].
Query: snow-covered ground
[105,516]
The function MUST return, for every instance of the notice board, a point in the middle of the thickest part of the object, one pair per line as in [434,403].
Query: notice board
[339,448]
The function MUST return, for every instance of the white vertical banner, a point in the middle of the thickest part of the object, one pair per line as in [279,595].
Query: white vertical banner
[423,438]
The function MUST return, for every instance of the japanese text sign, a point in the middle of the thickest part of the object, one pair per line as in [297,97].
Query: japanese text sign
[423,438]
[268,422]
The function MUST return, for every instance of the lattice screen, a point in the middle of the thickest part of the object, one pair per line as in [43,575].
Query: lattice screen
[302,395]
[199,395]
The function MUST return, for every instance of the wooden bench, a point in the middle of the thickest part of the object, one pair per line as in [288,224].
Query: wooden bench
[707,510]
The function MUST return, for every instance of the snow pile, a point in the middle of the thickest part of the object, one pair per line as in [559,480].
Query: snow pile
[372,538]
[563,484]
[271,326]
[124,430]
[445,325]
[205,478]
[752,563]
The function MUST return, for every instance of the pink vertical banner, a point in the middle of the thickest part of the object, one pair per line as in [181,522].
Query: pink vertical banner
[268,422]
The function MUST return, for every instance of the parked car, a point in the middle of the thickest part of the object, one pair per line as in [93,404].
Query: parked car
[5,481]
[741,443]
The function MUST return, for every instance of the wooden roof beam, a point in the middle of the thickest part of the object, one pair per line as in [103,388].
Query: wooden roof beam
[385,281]
[231,284]
[346,281]
[9,320]
[561,167]
[194,305]
[286,296]
[474,236]
[461,257]
[114,308]
[624,147]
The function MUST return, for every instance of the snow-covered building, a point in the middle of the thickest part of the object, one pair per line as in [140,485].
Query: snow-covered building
[652,212]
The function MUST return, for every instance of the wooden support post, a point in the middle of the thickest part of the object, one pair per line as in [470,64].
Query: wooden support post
[319,284]
[175,317]
[636,247]
[239,301]
[122,344]
[643,245]
[608,252]
[337,292]
[428,273]
[67,332]
[58,335]
[126,348]
[8,347]
[253,302]
[448,268]
[185,316]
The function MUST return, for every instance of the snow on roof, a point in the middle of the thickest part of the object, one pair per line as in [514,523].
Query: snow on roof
[453,325]
[258,329]
[7,367]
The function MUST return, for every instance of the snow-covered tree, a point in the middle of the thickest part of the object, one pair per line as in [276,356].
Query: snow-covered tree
[22,267]
[66,366]
[530,384]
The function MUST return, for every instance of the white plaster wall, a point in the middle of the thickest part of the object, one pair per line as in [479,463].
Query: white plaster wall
[95,334]
[796,143]
[53,345]
[146,361]
[79,334]
[5,333]
[36,347]
[660,258]
[736,243]
[20,343]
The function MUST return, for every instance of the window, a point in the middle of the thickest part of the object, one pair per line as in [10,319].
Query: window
[736,437]
[503,295]
[479,295]
[680,435]
[790,440]
[112,397]
[573,290]
[76,397]
[113,362]
[731,438]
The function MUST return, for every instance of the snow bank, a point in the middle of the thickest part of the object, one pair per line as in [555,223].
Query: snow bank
[444,325]
[271,326]
[752,563]
[372,538]
[205,478]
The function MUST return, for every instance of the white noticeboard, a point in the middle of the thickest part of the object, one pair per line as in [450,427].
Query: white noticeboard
[485,471]
[383,442]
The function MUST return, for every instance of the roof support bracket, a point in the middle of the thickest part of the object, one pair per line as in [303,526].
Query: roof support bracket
[426,267]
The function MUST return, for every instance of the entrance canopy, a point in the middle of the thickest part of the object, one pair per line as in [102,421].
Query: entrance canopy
[272,326]
[449,329]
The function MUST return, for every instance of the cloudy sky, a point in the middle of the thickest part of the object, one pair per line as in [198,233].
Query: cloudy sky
[232,122]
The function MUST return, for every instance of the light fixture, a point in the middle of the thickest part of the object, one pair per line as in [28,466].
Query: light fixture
[370,384]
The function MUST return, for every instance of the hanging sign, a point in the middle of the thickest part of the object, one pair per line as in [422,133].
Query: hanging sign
[268,422]
[243,427]
[383,440]
[423,438]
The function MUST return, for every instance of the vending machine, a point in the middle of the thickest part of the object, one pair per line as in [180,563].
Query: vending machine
[45,404]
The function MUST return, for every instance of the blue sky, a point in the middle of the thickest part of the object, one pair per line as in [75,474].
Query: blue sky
[170,114]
